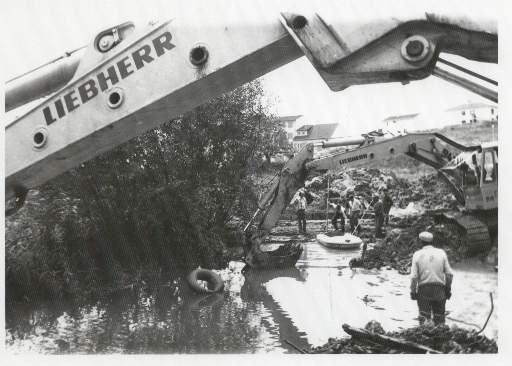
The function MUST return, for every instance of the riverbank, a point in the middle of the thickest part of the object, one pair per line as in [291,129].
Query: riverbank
[56,251]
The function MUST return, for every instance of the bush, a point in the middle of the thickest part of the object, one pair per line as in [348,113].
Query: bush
[161,202]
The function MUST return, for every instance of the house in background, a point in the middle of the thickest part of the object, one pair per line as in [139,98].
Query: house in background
[288,124]
[462,114]
[307,134]
[402,123]
[473,113]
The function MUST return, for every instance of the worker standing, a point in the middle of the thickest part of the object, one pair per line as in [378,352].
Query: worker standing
[339,213]
[301,203]
[378,208]
[431,280]
[387,203]
[355,212]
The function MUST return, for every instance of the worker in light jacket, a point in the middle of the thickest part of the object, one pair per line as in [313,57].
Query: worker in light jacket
[300,204]
[355,212]
[431,280]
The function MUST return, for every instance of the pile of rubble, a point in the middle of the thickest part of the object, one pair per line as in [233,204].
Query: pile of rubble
[397,248]
[440,338]
[427,190]
[449,339]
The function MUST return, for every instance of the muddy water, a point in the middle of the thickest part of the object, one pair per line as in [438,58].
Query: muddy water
[258,313]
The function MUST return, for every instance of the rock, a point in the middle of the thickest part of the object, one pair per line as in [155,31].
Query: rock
[375,327]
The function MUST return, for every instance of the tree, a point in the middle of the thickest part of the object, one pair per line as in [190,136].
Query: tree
[163,200]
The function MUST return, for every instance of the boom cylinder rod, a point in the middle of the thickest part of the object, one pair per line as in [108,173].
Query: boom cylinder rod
[467,71]
[343,142]
[466,84]
[42,81]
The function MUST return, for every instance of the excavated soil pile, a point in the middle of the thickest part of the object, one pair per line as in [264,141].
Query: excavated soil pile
[440,338]
[396,250]
[427,190]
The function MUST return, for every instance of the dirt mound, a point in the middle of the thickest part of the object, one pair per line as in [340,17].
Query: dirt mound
[397,248]
[428,191]
[440,338]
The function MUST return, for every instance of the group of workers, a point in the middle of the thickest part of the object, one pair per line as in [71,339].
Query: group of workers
[431,274]
[354,209]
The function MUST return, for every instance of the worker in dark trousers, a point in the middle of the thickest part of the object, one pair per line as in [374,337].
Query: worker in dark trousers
[355,213]
[300,204]
[378,208]
[387,203]
[431,280]
[339,213]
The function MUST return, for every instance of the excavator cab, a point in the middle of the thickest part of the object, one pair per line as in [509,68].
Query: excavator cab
[481,179]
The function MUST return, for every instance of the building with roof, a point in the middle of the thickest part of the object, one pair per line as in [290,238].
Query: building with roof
[461,114]
[313,134]
[473,113]
[288,123]
[401,123]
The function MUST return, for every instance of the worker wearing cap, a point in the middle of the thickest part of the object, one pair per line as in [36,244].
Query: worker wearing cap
[431,280]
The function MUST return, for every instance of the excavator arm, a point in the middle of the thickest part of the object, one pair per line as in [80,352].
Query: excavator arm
[433,149]
[130,79]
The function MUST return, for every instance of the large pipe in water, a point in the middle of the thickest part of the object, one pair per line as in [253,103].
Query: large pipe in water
[42,81]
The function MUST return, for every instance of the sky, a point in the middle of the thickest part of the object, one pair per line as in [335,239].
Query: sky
[46,29]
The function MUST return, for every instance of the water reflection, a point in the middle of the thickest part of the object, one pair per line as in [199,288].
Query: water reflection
[258,311]
[243,319]
[280,326]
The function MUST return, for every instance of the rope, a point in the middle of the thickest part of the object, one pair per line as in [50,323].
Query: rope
[489,316]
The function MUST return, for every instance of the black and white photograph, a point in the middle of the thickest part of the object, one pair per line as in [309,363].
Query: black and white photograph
[250,178]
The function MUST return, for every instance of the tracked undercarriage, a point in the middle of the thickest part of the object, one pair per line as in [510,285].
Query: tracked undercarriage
[478,230]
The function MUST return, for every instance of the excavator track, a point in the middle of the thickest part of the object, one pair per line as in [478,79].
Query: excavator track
[476,232]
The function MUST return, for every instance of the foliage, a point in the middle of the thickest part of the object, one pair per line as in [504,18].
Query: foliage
[161,201]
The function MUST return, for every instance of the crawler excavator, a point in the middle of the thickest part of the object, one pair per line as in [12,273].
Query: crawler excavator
[132,78]
[471,173]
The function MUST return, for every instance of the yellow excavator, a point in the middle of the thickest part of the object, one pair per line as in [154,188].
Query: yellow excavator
[132,78]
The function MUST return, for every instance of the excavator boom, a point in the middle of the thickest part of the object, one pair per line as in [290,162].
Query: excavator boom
[433,149]
[130,79]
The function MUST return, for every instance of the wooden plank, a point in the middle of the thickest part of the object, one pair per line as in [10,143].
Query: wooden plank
[392,342]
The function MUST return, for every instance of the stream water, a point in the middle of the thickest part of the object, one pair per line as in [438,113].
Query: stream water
[258,312]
